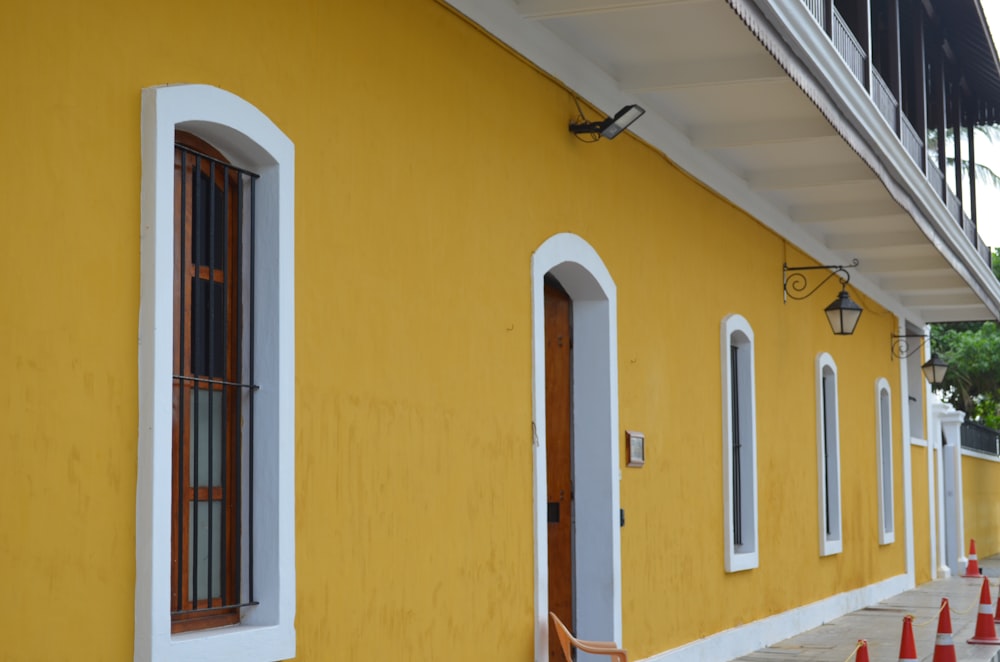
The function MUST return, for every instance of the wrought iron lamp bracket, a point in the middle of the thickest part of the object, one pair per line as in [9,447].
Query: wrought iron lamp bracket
[796,283]
[903,347]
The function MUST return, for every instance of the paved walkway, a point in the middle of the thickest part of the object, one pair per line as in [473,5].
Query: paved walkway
[882,626]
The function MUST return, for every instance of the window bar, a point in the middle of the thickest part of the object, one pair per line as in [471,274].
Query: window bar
[196,341]
[193,508]
[252,380]
[223,443]
[234,414]
[181,279]
[734,396]
[210,359]
[197,200]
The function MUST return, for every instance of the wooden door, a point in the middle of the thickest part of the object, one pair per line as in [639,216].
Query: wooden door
[559,454]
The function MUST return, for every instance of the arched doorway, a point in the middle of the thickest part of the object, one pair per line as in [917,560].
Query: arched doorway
[589,391]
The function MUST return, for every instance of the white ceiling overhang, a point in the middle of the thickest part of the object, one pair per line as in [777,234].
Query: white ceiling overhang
[752,99]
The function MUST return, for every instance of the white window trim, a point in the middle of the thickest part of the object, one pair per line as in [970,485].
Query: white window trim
[832,543]
[747,555]
[250,140]
[886,529]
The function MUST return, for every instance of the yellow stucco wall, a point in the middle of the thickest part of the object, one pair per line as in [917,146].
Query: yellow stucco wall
[981,504]
[413,241]
[921,515]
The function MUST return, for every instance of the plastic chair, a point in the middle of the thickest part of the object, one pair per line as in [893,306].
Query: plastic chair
[567,641]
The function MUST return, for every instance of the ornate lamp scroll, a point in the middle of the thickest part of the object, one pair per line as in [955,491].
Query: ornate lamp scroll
[843,314]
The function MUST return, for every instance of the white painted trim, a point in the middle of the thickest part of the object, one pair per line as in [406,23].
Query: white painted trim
[950,420]
[883,442]
[746,639]
[827,430]
[980,455]
[736,330]
[904,431]
[250,140]
[598,588]
[917,441]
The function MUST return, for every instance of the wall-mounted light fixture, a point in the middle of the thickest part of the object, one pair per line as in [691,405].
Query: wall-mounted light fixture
[934,370]
[843,314]
[903,347]
[609,127]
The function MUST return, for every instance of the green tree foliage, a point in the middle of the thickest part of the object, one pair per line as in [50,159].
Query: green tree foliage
[972,351]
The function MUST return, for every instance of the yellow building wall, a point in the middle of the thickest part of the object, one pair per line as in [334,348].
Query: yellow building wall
[981,504]
[430,163]
[921,515]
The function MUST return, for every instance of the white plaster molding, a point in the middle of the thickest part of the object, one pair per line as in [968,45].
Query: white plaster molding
[828,458]
[736,330]
[884,464]
[267,631]
[745,639]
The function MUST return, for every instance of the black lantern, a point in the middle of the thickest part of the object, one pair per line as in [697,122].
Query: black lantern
[935,369]
[843,314]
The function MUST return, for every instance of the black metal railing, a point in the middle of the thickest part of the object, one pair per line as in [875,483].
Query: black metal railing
[978,437]
[213,388]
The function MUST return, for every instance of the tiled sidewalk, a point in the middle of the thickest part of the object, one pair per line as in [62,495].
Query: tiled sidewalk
[882,624]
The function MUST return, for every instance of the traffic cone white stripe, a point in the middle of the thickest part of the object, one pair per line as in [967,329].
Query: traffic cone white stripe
[944,640]
[986,609]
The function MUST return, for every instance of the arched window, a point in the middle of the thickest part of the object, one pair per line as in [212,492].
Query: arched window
[215,499]
[883,435]
[828,454]
[739,440]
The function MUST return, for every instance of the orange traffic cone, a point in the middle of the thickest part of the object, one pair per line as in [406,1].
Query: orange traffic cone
[986,631]
[972,569]
[944,647]
[907,649]
[862,654]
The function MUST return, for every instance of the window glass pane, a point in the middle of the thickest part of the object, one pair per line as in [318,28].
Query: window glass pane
[208,328]
[204,564]
[207,411]
[208,231]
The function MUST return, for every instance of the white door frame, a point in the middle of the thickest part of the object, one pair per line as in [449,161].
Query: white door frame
[597,535]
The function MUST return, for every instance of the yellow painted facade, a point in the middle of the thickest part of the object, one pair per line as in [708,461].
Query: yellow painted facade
[418,207]
[921,515]
[981,499]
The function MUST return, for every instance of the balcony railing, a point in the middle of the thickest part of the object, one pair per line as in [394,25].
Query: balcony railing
[884,101]
[936,179]
[855,57]
[816,9]
[912,143]
[978,437]
[850,50]
[954,206]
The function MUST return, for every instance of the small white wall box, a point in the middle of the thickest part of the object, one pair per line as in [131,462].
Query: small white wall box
[635,443]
